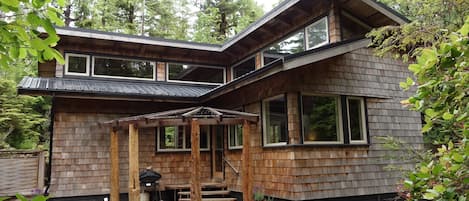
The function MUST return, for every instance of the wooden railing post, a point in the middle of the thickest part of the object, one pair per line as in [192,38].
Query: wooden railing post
[134,183]
[246,176]
[195,156]
[114,154]
[40,170]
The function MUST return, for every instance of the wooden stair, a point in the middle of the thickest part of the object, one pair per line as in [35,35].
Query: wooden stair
[210,192]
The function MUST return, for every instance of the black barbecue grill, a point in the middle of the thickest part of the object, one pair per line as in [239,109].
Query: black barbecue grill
[149,182]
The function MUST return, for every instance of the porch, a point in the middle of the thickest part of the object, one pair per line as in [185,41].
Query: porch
[194,119]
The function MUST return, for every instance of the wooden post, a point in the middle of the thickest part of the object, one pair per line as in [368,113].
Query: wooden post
[134,183]
[246,171]
[40,170]
[114,152]
[195,156]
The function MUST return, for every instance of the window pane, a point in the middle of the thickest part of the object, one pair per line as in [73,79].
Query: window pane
[188,136]
[232,133]
[317,33]
[123,68]
[355,121]
[269,58]
[239,135]
[77,64]
[168,137]
[243,68]
[204,132]
[194,73]
[320,118]
[291,45]
[275,120]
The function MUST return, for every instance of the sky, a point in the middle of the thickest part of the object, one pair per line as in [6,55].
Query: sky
[267,5]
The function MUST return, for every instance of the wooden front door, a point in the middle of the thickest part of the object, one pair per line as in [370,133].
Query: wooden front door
[217,153]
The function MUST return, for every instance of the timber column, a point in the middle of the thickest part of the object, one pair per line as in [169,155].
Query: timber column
[114,152]
[246,176]
[196,194]
[134,180]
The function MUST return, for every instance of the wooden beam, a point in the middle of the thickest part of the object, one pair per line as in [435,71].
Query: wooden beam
[114,152]
[195,156]
[134,181]
[246,171]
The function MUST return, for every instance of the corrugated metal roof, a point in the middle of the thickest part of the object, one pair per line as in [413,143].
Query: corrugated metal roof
[112,87]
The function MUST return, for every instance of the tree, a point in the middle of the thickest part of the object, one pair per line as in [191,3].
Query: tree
[431,22]
[442,76]
[222,19]
[20,30]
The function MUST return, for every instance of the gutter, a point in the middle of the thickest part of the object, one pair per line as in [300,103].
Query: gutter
[51,136]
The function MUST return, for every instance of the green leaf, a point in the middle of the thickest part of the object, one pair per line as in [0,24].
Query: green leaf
[38,3]
[447,116]
[38,44]
[457,157]
[33,19]
[439,188]
[12,3]
[427,127]
[52,14]
[61,3]
[415,68]
[21,197]
[430,194]
[408,184]
[431,113]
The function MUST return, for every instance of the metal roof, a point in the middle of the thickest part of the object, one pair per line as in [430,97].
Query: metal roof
[148,89]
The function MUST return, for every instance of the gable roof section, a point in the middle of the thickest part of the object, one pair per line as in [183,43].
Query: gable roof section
[111,88]
[285,5]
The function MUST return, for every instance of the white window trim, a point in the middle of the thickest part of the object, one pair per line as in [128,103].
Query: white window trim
[240,62]
[236,139]
[87,73]
[313,24]
[194,82]
[339,126]
[264,122]
[363,120]
[122,77]
[158,148]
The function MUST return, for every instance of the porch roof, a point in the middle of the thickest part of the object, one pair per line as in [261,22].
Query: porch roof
[205,116]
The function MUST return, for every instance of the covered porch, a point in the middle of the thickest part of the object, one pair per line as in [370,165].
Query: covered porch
[194,118]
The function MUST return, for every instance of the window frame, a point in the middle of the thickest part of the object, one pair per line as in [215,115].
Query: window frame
[194,82]
[264,121]
[66,66]
[364,129]
[239,63]
[184,149]
[153,63]
[339,125]
[326,18]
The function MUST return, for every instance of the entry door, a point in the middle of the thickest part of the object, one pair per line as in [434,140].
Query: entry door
[217,153]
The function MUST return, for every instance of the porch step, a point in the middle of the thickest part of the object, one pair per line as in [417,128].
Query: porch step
[210,199]
[203,185]
[188,193]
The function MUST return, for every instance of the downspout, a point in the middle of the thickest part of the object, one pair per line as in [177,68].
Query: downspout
[51,136]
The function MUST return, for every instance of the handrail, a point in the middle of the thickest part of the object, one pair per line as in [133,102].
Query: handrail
[231,166]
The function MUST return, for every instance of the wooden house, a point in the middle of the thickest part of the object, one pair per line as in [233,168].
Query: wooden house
[304,71]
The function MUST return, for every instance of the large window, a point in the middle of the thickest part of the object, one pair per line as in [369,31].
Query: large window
[195,73]
[356,120]
[317,34]
[113,67]
[123,68]
[77,64]
[328,119]
[275,120]
[309,37]
[244,67]
[321,119]
[178,138]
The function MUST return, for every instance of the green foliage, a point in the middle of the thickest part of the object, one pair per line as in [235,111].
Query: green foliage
[21,23]
[35,198]
[442,77]
[432,21]
[23,119]
[222,19]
